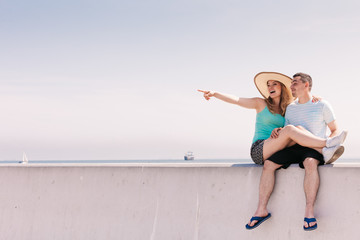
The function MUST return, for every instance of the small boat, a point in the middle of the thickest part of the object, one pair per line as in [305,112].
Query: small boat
[25,159]
[189,156]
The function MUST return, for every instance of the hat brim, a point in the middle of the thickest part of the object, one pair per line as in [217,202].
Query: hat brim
[262,78]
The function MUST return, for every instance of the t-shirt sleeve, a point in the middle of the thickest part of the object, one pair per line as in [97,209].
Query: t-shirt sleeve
[287,122]
[328,112]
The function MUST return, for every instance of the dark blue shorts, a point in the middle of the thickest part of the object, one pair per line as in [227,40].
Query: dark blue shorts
[295,154]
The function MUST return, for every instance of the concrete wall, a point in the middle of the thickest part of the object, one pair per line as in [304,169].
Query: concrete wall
[174,201]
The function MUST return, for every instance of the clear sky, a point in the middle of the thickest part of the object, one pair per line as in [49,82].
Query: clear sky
[117,79]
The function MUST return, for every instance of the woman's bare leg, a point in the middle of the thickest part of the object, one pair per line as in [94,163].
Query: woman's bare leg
[267,183]
[273,145]
[290,135]
[303,137]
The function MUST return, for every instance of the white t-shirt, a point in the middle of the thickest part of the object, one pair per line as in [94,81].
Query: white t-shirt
[312,116]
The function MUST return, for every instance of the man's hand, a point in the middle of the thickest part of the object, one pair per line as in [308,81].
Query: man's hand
[316,99]
[275,133]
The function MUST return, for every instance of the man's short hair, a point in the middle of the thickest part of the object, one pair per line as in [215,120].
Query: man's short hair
[304,78]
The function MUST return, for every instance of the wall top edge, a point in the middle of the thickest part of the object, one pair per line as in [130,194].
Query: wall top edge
[168,165]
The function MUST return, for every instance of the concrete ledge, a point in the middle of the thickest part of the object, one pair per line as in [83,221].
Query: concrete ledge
[160,165]
[170,201]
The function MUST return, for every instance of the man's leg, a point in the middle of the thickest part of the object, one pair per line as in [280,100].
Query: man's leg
[311,187]
[267,182]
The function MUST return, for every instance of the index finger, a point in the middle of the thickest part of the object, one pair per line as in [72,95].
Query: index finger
[202,91]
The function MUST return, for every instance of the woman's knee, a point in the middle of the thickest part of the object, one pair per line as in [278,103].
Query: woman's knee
[300,127]
[288,129]
[269,165]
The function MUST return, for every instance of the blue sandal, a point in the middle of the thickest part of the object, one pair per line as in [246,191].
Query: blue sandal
[259,221]
[310,220]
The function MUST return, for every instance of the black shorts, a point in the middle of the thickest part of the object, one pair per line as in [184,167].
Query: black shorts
[295,154]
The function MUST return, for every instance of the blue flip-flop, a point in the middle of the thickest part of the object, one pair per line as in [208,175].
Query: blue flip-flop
[310,220]
[259,221]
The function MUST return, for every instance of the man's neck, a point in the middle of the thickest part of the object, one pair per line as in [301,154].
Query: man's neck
[304,98]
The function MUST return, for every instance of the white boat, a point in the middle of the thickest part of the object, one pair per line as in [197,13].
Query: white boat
[25,159]
[189,156]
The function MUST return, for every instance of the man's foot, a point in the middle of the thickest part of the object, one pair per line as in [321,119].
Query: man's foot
[331,154]
[310,224]
[337,140]
[256,221]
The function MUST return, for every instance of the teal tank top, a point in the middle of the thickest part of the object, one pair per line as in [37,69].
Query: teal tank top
[265,123]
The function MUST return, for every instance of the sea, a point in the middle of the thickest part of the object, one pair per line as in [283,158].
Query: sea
[233,161]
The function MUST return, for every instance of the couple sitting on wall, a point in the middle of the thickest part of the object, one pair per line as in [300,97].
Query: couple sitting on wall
[289,131]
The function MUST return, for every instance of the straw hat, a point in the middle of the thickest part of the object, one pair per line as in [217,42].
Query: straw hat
[262,78]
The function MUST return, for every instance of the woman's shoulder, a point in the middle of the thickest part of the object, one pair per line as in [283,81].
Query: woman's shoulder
[261,104]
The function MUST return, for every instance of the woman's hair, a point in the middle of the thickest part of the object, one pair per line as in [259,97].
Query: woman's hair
[285,100]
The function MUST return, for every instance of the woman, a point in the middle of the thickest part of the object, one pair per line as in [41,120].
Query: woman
[275,88]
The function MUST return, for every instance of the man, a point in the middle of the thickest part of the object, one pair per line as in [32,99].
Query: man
[314,117]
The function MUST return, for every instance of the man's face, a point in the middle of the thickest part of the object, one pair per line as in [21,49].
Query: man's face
[297,86]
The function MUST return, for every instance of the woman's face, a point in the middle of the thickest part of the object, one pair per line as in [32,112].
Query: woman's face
[274,88]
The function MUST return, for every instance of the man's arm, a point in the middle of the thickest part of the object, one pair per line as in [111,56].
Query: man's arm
[333,128]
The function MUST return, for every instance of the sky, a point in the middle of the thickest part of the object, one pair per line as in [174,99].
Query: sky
[117,80]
